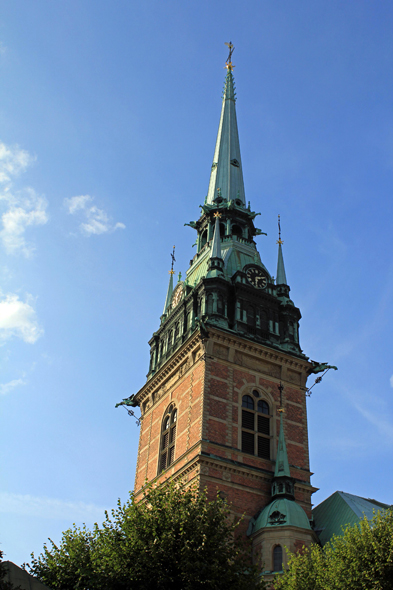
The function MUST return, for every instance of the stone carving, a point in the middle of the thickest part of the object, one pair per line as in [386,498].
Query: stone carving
[277,518]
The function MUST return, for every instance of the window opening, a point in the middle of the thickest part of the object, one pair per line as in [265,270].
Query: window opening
[168,438]
[237,231]
[255,426]
[277,558]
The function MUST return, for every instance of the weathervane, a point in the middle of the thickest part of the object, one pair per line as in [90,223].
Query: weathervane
[281,388]
[228,62]
[172,272]
[279,241]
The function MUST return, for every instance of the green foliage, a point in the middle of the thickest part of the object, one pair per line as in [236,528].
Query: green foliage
[360,559]
[173,539]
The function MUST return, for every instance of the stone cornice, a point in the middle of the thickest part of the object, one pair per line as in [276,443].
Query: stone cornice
[170,367]
[259,350]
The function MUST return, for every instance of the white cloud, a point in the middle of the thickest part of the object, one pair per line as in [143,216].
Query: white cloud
[23,208]
[7,387]
[96,220]
[22,212]
[13,161]
[18,319]
[43,507]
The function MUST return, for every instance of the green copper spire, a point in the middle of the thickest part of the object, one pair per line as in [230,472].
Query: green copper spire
[170,286]
[282,465]
[226,179]
[216,244]
[169,292]
[281,276]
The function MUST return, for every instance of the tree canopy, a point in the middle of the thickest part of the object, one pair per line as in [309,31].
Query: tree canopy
[172,539]
[360,559]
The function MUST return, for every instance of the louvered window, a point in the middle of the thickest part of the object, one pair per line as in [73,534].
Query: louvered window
[255,426]
[168,438]
[247,442]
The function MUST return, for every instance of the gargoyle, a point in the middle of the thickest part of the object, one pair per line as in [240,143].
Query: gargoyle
[128,401]
[320,367]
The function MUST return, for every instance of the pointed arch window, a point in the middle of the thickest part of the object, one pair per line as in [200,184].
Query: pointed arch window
[277,558]
[255,426]
[168,438]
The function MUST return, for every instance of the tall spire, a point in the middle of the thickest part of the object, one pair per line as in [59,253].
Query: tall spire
[170,286]
[226,178]
[281,276]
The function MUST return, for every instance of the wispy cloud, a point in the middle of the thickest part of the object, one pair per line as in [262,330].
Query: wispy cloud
[43,507]
[96,221]
[7,387]
[22,208]
[374,324]
[18,319]
[391,381]
[382,424]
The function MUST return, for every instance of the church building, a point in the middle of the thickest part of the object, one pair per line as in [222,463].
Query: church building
[224,405]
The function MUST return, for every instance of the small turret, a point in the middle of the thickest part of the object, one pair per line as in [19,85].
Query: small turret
[282,484]
[281,276]
[169,293]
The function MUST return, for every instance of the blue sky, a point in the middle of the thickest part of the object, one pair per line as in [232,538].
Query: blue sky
[108,117]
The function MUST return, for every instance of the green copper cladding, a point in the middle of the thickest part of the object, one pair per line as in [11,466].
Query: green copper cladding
[169,293]
[226,179]
[282,512]
[282,465]
[281,278]
[216,245]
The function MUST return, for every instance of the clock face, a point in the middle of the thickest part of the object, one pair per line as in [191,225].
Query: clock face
[177,295]
[256,277]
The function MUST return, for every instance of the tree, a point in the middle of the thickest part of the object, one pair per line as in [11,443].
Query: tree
[172,539]
[360,559]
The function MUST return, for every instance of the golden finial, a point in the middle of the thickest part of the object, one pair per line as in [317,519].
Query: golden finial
[217,214]
[172,272]
[228,64]
[281,389]
[279,241]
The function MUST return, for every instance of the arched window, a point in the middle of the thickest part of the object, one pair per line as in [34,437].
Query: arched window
[204,238]
[250,315]
[255,426]
[220,305]
[277,558]
[222,230]
[177,330]
[209,304]
[168,438]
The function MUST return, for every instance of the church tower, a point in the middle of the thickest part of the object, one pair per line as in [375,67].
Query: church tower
[224,362]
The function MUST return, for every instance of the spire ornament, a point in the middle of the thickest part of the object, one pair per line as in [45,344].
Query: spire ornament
[228,64]
[279,241]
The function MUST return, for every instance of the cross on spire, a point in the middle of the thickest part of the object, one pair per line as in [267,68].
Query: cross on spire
[281,388]
[228,62]
[172,272]
[279,241]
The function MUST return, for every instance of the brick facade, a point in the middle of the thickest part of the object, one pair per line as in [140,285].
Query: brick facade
[206,380]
